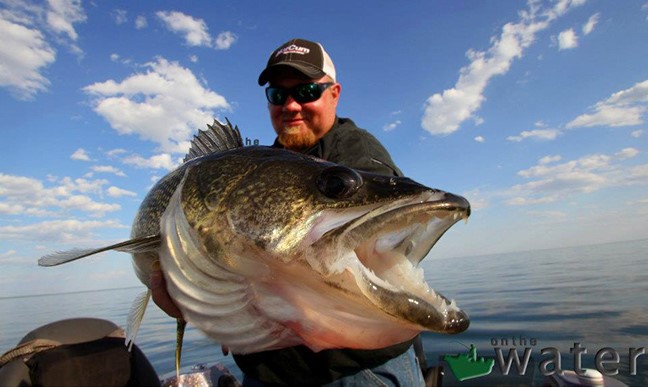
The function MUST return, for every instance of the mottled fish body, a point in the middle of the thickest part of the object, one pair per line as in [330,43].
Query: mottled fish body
[265,248]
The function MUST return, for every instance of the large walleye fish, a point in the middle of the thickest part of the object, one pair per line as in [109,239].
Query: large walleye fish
[264,248]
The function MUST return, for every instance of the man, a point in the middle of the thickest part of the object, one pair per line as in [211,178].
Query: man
[302,100]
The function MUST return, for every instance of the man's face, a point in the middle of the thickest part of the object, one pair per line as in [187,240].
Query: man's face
[300,125]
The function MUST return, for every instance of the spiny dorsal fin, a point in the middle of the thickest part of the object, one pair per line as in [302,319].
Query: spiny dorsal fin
[217,138]
[147,243]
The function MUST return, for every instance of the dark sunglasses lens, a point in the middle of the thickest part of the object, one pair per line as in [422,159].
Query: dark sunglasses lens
[307,93]
[276,96]
[303,93]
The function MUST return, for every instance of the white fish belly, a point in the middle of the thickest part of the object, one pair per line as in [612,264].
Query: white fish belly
[216,300]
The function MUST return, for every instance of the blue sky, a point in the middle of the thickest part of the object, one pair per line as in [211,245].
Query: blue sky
[536,112]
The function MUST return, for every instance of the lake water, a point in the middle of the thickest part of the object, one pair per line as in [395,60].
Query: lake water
[596,296]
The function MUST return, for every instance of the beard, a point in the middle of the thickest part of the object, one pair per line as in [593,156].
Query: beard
[293,138]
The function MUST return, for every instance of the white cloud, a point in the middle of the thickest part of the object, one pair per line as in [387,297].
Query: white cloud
[86,204]
[637,133]
[643,201]
[141,22]
[67,186]
[161,161]
[636,94]
[64,231]
[18,185]
[391,126]
[165,105]
[549,159]
[224,40]
[120,16]
[27,50]
[116,152]
[627,153]
[550,181]
[538,134]
[445,112]
[107,169]
[80,154]
[637,174]
[194,30]
[522,201]
[61,17]
[118,59]
[480,139]
[591,23]
[9,256]
[24,54]
[16,209]
[608,115]
[623,108]
[20,195]
[567,40]
[117,192]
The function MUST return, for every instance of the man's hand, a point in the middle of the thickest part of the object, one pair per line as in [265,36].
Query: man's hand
[159,291]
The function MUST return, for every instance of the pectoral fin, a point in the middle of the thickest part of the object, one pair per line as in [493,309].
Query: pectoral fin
[137,245]
[135,316]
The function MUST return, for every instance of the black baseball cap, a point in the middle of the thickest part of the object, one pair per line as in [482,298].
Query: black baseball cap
[305,56]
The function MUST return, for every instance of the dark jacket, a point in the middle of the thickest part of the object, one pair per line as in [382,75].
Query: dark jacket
[348,145]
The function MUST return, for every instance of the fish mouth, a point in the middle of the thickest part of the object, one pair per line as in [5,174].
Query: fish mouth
[383,247]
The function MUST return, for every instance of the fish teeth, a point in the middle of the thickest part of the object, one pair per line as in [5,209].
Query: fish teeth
[442,305]
[419,275]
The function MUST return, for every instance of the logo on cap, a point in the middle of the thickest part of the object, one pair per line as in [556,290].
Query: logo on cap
[293,49]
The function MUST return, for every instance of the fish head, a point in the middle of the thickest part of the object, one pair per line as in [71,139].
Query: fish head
[330,244]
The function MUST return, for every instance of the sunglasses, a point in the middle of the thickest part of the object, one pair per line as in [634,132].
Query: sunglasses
[304,93]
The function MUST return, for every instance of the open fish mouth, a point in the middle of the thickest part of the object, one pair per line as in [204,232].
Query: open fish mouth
[383,248]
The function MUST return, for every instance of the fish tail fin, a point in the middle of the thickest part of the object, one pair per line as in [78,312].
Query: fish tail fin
[130,246]
[135,316]
[180,329]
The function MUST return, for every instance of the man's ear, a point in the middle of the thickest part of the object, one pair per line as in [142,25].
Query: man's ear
[336,89]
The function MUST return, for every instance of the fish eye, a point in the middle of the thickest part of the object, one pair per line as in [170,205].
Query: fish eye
[339,182]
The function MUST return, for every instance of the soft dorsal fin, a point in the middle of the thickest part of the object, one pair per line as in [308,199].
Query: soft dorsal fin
[130,246]
[217,138]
